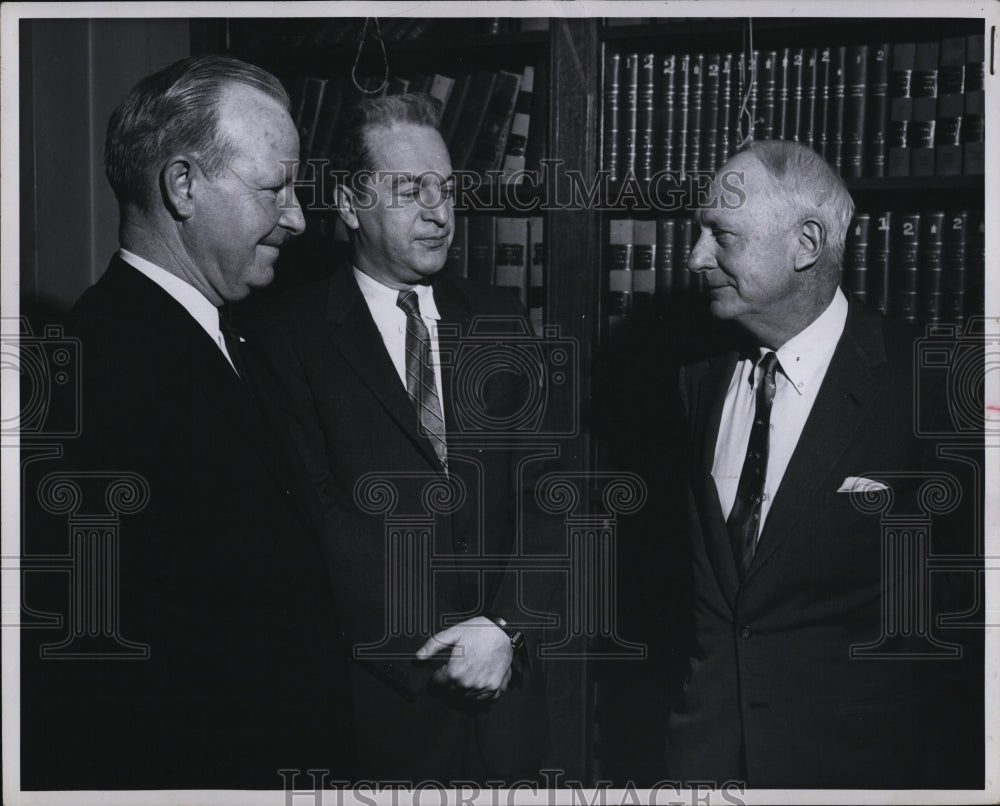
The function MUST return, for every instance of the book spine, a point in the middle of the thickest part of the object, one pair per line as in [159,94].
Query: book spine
[440,90]
[901,107]
[835,118]
[612,115]
[953,267]
[536,273]
[795,68]
[767,88]
[482,249]
[665,114]
[924,89]
[856,85]
[629,116]
[664,257]
[710,112]
[471,120]
[457,263]
[456,100]
[821,124]
[725,124]
[951,107]
[879,257]
[695,97]
[643,266]
[491,144]
[906,249]
[520,127]
[681,108]
[783,95]
[644,124]
[877,113]
[807,130]
[511,270]
[973,123]
[975,277]
[538,134]
[931,266]
[620,267]
[683,242]
[856,256]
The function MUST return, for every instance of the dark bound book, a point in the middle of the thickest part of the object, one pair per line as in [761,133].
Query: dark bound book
[629,94]
[696,88]
[906,267]
[644,122]
[710,103]
[879,256]
[456,100]
[491,145]
[536,272]
[835,115]
[726,114]
[538,135]
[953,267]
[855,277]
[482,248]
[511,268]
[684,232]
[520,128]
[877,113]
[931,289]
[664,257]
[951,108]
[682,83]
[620,266]
[457,263]
[855,88]
[767,89]
[924,89]
[901,107]
[643,265]
[821,123]
[612,114]
[470,120]
[810,65]
[975,261]
[665,114]
[794,120]
[783,95]
[973,123]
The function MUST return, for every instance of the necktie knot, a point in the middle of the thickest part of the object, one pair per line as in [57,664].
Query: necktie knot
[407,300]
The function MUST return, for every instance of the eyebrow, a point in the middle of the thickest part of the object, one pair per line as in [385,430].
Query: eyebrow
[398,178]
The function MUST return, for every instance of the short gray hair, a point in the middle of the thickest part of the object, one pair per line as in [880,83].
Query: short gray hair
[176,109]
[353,154]
[810,185]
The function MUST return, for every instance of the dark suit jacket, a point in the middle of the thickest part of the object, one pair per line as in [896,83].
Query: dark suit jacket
[352,422]
[220,574]
[773,695]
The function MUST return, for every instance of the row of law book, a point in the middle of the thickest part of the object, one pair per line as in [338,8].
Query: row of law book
[491,120]
[504,251]
[402,29]
[909,109]
[922,267]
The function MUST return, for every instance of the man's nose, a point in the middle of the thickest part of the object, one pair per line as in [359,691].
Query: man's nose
[702,257]
[438,210]
[292,218]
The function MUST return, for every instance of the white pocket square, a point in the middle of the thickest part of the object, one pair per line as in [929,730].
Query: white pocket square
[858,484]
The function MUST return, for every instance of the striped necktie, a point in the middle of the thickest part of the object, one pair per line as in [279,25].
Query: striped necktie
[420,385]
[743,523]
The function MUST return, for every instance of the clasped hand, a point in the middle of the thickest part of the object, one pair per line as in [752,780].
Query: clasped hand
[480,662]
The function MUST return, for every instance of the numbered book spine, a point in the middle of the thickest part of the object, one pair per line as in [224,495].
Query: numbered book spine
[975,277]
[664,257]
[620,267]
[665,114]
[794,120]
[710,112]
[879,257]
[681,109]
[807,131]
[629,115]
[822,123]
[931,266]
[695,98]
[856,256]
[767,89]
[725,125]
[511,270]
[953,266]
[877,113]
[856,86]
[644,117]
[612,115]
[783,95]
[835,117]
[906,268]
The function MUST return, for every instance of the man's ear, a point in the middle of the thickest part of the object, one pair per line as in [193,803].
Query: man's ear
[177,181]
[810,244]
[343,198]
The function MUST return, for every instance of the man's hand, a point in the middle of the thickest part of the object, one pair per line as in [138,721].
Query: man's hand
[481,654]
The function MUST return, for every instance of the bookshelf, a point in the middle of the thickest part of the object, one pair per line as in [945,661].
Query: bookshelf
[608,716]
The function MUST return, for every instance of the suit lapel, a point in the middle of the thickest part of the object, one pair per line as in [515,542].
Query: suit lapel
[840,407]
[711,398]
[355,336]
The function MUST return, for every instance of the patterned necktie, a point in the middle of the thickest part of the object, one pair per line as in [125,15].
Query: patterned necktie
[420,385]
[744,519]
[233,346]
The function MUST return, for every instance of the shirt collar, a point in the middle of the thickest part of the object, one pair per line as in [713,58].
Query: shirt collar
[186,295]
[805,357]
[376,293]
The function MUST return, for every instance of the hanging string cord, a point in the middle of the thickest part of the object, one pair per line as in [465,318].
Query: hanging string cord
[749,87]
[357,58]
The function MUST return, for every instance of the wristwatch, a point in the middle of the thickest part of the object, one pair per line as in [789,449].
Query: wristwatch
[515,635]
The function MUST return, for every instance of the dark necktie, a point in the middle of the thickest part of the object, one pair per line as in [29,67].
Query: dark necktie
[744,519]
[233,345]
[420,385]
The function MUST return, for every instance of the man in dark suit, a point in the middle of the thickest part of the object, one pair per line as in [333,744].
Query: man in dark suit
[402,406]
[799,675]
[208,656]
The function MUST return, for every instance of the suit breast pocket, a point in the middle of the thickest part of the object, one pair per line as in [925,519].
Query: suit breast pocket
[862,503]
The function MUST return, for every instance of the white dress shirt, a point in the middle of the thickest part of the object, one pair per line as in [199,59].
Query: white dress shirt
[390,320]
[804,360]
[189,297]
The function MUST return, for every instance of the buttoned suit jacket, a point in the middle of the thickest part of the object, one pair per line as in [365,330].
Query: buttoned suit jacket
[773,695]
[219,574]
[351,420]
